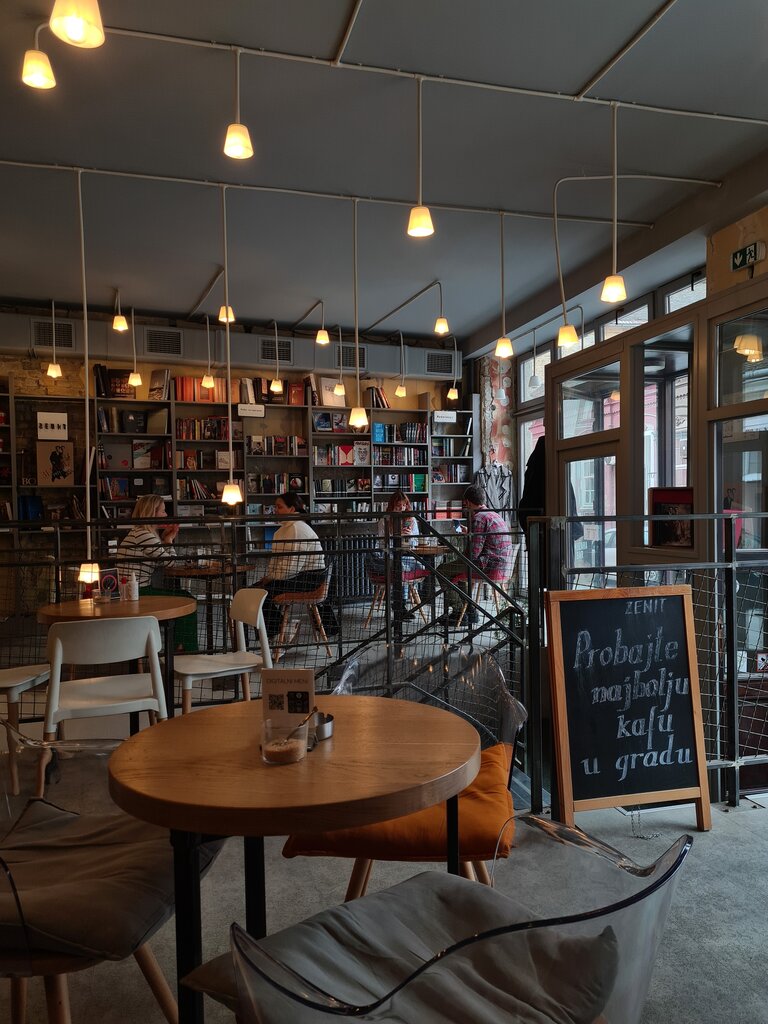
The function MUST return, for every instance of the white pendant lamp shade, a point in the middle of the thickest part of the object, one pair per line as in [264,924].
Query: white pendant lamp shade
[37,72]
[613,289]
[358,417]
[748,345]
[401,391]
[276,386]
[54,370]
[322,337]
[119,323]
[615,395]
[567,336]
[207,381]
[441,326]
[77,22]
[226,315]
[231,494]
[534,382]
[504,349]
[134,380]
[420,222]
[89,572]
[453,394]
[339,388]
[238,142]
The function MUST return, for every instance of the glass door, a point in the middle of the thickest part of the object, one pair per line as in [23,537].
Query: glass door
[590,493]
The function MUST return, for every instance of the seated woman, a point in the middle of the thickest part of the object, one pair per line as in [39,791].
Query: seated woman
[145,551]
[402,528]
[297,564]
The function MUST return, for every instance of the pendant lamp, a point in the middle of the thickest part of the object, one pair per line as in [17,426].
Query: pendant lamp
[119,323]
[226,314]
[453,393]
[748,345]
[237,144]
[134,380]
[420,219]
[231,495]
[358,416]
[37,72]
[441,324]
[535,380]
[77,22]
[276,385]
[339,389]
[613,286]
[504,348]
[322,335]
[400,390]
[54,370]
[208,381]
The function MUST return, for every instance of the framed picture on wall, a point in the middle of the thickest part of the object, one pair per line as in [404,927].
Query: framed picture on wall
[55,465]
[676,503]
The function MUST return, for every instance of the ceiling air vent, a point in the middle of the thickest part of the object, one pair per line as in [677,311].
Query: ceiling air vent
[162,341]
[42,337]
[439,363]
[348,357]
[267,350]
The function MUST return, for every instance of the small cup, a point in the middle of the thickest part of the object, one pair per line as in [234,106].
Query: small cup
[323,726]
[283,744]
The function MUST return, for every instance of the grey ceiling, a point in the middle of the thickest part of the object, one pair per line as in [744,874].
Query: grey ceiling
[149,106]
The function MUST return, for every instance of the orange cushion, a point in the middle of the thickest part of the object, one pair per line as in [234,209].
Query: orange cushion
[484,806]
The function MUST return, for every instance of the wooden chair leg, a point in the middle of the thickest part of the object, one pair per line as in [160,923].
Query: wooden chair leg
[57,999]
[416,602]
[155,978]
[278,651]
[467,871]
[377,599]
[358,880]
[42,763]
[245,685]
[315,613]
[13,765]
[152,716]
[186,698]
[19,1000]
[481,870]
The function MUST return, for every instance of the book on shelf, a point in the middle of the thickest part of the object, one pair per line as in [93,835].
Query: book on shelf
[159,385]
[361,453]
[101,380]
[296,393]
[141,452]
[255,444]
[340,422]
[117,455]
[223,461]
[133,422]
[157,421]
[321,421]
[378,433]
[310,389]
[118,384]
[328,394]
[296,483]
[247,393]
[191,511]
[376,397]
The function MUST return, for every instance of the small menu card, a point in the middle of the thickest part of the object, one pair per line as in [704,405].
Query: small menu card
[288,694]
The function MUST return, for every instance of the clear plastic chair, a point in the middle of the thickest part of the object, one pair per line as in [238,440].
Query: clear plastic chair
[78,885]
[438,949]
[467,683]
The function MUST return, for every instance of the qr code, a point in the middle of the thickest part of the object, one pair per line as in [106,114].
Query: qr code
[277,702]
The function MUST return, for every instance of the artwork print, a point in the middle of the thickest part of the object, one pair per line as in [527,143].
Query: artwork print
[55,465]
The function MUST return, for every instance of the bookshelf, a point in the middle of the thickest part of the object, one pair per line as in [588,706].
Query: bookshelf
[340,462]
[7,449]
[276,452]
[454,456]
[133,452]
[400,453]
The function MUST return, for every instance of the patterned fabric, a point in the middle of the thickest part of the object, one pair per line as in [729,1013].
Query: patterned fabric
[295,549]
[491,542]
[143,552]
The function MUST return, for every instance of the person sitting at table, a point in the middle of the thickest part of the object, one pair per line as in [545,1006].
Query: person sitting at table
[297,564]
[145,551]
[490,550]
[395,525]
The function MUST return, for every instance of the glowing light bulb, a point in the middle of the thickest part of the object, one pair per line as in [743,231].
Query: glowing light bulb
[37,72]
[276,386]
[54,370]
[237,144]
[453,394]
[119,323]
[207,381]
[400,390]
[339,389]
[77,22]
[567,336]
[504,349]
[420,222]
[89,572]
[226,315]
[358,417]
[613,289]
[134,381]
[231,495]
[322,337]
[441,325]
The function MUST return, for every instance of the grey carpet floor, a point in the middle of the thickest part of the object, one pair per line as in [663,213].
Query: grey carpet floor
[711,967]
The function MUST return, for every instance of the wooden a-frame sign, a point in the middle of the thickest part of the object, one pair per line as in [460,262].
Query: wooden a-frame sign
[626,701]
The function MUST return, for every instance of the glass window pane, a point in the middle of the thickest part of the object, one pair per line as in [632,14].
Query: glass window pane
[742,463]
[625,322]
[586,341]
[741,359]
[530,432]
[529,392]
[591,402]
[684,296]
[591,486]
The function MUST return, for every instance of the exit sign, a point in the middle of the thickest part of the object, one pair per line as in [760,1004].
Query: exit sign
[748,256]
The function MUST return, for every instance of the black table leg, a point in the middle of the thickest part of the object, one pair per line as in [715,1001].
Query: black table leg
[255,887]
[452,833]
[189,943]
[168,682]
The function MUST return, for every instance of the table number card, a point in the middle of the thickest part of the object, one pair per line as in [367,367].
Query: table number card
[288,694]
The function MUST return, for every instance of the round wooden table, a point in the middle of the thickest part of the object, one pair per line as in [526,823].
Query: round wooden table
[165,608]
[202,774]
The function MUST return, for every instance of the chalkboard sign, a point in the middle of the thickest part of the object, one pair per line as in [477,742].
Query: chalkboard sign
[626,700]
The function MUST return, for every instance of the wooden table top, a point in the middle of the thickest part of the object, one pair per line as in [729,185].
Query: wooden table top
[162,606]
[194,570]
[203,772]
[430,550]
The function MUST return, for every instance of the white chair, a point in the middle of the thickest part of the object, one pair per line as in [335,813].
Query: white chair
[13,682]
[246,608]
[99,642]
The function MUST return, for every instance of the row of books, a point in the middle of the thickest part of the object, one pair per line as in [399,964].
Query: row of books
[275,483]
[417,504]
[357,454]
[190,389]
[212,428]
[450,447]
[376,397]
[400,482]
[451,473]
[190,488]
[124,488]
[274,444]
[207,459]
[339,486]
[332,508]
[118,456]
[399,455]
[410,433]
[448,510]
[255,390]
[112,420]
